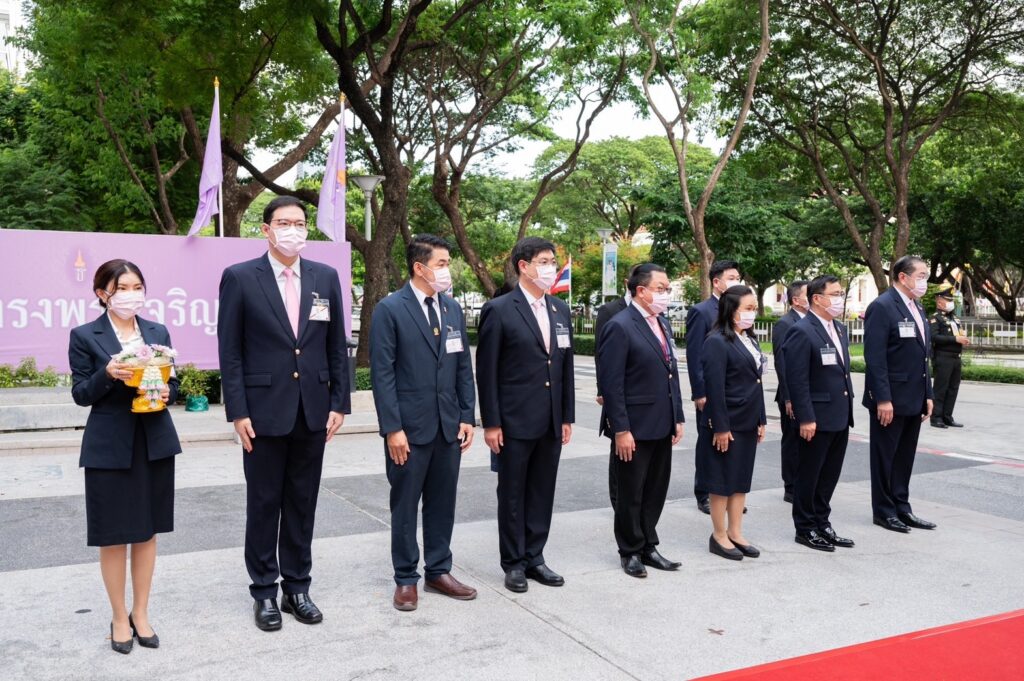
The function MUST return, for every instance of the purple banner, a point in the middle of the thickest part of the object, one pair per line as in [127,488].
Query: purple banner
[47,287]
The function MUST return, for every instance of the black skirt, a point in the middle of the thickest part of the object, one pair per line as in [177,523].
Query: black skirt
[730,472]
[128,506]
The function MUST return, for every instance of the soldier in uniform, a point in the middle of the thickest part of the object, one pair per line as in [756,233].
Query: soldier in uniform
[948,340]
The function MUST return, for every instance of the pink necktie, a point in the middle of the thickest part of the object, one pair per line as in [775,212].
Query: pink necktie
[652,321]
[543,322]
[917,318]
[291,300]
[835,339]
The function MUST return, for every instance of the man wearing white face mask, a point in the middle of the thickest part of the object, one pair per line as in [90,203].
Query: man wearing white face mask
[524,374]
[284,373]
[897,391]
[948,341]
[422,378]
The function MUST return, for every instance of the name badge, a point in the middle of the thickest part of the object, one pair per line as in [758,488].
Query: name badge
[828,356]
[907,330]
[562,336]
[321,310]
[453,342]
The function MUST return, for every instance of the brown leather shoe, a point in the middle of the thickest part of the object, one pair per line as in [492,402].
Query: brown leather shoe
[405,597]
[451,587]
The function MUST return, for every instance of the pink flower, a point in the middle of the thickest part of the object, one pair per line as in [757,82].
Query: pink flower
[144,353]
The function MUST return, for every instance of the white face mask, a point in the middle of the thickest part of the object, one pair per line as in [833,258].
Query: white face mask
[946,306]
[659,302]
[545,278]
[836,305]
[289,240]
[442,279]
[746,319]
[125,304]
[919,288]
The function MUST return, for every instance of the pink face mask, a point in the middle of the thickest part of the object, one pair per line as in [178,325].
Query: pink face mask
[289,240]
[746,319]
[126,304]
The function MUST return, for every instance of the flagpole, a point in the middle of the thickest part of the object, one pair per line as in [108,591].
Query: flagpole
[570,284]
[220,186]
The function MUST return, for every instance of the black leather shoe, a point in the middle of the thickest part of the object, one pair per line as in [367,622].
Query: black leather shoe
[788,497]
[938,424]
[545,575]
[704,506]
[913,521]
[632,566]
[144,641]
[893,524]
[748,550]
[652,558]
[719,550]
[515,580]
[835,540]
[950,423]
[302,608]
[123,647]
[268,616]
[814,540]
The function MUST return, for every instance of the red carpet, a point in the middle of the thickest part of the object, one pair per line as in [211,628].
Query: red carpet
[989,649]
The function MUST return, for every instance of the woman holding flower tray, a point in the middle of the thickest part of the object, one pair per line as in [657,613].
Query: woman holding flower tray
[128,457]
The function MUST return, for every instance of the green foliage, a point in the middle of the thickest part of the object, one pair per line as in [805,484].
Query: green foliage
[363,378]
[194,382]
[27,374]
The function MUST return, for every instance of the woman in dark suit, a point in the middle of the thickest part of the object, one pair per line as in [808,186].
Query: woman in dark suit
[128,458]
[733,363]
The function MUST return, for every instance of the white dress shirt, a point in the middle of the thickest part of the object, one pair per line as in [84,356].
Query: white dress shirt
[421,297]
[278,267]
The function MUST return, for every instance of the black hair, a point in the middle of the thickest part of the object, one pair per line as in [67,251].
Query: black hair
[528,248]
[642,274]
[818,284]
[282,202]
[905,265]
[719,267]
[422,248]
[727,306]
[112,271]
[794,289]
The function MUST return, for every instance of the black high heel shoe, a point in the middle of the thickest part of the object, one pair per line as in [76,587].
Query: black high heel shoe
[123,647]
[144,641]
[748,550]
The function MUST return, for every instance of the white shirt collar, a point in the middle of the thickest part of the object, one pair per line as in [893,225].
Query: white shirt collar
[824,322]
[645,313]
[421,296]
[529,298]
[907,300]
[278,267]
[799,314]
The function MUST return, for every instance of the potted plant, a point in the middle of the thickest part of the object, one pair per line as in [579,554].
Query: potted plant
[194,384]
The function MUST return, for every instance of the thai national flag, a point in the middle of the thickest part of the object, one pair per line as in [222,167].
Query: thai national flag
[563,282]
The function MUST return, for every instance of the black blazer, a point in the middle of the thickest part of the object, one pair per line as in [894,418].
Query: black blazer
[733,382]
[941,330]
[524,389]
[641,389]
[699,320]
[264,368]
[822,393]
[605,313]
[110,429]
[417,386]
[897,367]
[779,331]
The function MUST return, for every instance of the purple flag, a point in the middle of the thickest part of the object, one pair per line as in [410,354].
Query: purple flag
[213,172]
[330,211]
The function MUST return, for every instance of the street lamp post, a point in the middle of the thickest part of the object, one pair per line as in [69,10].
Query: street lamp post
[367,183]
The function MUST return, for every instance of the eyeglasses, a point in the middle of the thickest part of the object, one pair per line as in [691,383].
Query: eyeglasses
[545,263]
[281,224]
[660,289]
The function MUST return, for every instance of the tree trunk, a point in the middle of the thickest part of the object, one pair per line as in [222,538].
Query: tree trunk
[446,192]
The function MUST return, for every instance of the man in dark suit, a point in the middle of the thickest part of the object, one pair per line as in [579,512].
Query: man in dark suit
[820,394]
[284,373]
[797,296]
[699,320]
[948,341]
[524,373]
[642,415]
[605,313]
[422,379]
[897,391]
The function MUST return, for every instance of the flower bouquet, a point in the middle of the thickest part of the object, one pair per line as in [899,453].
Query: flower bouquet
[151,367]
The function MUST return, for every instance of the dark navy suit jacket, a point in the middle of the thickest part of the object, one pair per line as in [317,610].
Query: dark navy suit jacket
[820,392]
[604,314]
[733,382]
[640,388]
[897,367]
[110,430]
[418,386]
[524,389]
[265,370]
[779,331]
[699,320]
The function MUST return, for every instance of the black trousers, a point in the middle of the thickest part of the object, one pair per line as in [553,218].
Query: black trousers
[527,472]
[430,472]
[700,494]
[892,450]
[282,481]
[642,488]
[613,482]
[790,453]
[946,368]
[820,463]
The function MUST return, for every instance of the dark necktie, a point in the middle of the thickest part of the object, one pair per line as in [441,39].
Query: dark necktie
[435,325]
